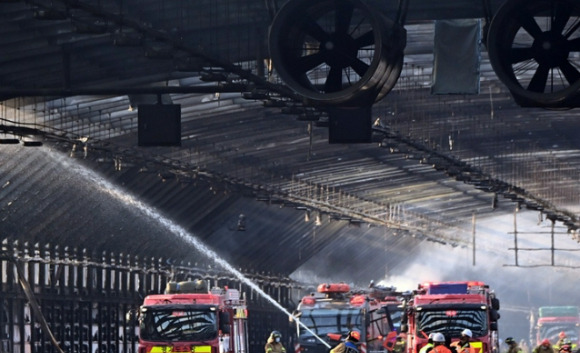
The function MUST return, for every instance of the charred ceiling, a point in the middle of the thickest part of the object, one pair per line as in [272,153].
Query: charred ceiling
[253,152]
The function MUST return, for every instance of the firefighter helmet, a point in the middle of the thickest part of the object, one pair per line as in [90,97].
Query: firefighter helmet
[438,337]
[545,342]
[566,348]
[510,340]
[467,332]
[562,335]
[276,334]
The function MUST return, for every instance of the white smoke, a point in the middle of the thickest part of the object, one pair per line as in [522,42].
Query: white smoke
[521,289]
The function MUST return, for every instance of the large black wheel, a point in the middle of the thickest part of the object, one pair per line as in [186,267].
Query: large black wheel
[336,52]
[534,48]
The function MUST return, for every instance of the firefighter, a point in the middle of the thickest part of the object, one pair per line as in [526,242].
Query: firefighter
[561,338]
[400,344]
[429,346]
[350,345]
[439,344]
[273,345]
[462,346]
[566,346]
[513,346]
[544,347]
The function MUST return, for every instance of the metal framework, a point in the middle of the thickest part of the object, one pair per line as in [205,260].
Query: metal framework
[552,249]
[69,300]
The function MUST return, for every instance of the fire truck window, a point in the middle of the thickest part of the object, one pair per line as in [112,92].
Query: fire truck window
[178,325]
[396,316]
[551,331]
[452,322]
[330,321]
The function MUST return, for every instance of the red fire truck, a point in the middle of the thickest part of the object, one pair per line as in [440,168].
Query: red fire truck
[449,308]
[325,317]
[189,318]
[552,320]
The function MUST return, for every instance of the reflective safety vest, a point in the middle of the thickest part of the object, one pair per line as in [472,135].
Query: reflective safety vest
[426,347]
[440,349]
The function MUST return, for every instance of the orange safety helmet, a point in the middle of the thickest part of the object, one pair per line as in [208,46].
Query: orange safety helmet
[354,335]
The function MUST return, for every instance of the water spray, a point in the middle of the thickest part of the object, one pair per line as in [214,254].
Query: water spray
[123,196]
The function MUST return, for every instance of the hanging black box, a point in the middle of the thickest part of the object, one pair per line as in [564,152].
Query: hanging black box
[159,125]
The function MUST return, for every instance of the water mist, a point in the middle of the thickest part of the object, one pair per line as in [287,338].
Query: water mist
[122,195]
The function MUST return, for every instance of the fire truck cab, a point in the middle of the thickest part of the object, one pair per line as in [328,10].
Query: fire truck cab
[449,308]
[189,318]
[324,318]
[552,320]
